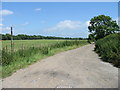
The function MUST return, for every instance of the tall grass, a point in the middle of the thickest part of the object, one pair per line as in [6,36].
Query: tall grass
[109,48]
[12,61]
[19,44]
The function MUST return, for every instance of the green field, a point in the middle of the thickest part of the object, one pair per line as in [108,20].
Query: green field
[19,44]
[27,52]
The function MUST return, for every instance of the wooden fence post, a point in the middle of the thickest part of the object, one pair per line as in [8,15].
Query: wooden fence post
[11,40]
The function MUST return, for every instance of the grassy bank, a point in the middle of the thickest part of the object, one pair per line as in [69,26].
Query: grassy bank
[24,57]
[109,48]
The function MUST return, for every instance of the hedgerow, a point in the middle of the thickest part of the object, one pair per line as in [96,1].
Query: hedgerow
[109,48]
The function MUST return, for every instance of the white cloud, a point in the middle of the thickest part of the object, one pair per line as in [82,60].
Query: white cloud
[38,9]
[5,29]
[1,25]
[6,12]
[68,25]
[68,28]
[65,25]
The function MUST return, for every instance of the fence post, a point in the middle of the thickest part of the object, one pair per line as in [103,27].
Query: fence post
[11,40]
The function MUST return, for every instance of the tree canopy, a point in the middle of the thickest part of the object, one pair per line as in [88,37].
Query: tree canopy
[101,26]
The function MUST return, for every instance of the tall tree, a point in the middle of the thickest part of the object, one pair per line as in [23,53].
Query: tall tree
[101,26]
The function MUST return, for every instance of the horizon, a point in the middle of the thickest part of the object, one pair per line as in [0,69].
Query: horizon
[59,19]
[43,36]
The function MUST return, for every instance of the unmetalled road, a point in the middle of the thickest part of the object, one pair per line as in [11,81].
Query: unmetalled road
[78,68]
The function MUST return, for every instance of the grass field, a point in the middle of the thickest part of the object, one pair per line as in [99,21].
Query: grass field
[18,44]
[27,52]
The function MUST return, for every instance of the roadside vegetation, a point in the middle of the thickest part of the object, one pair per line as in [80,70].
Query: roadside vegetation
[24,56]
[109,48]
[105,33]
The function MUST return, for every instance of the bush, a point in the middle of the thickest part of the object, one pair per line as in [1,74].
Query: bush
[108,48]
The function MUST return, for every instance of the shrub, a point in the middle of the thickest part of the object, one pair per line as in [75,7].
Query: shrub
[108,48]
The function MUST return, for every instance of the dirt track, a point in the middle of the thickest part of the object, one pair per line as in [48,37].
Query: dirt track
[78,68]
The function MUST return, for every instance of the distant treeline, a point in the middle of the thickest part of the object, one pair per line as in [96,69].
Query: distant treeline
[33,37]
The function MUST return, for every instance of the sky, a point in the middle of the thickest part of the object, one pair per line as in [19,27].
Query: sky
[62,19]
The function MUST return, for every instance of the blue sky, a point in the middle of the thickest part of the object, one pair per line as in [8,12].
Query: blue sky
[64,19]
